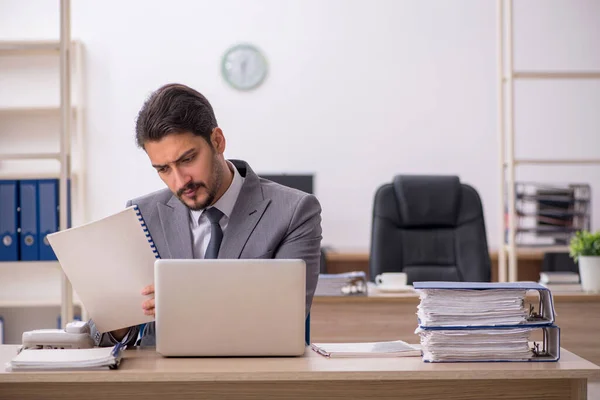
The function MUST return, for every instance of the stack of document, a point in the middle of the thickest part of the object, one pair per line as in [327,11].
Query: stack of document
[561,281]
[511,344]
[396,348]
[350,283]
[67,359]
[451,307]
[467,321]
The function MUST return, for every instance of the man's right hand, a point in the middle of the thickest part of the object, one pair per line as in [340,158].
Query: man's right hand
[148,305]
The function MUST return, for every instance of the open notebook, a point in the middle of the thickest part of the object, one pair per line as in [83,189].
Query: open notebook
[109,262]
[397,348]
[67,359]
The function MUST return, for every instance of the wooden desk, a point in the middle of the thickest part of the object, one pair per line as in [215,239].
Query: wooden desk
[146,375]
[392,317]
[529,263]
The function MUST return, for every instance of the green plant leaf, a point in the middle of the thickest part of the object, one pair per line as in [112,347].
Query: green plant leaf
[584,243]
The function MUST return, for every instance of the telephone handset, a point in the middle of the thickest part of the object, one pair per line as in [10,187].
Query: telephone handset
[76,335]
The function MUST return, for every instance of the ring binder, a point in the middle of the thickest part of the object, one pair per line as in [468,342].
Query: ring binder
[146,231]
[485,321]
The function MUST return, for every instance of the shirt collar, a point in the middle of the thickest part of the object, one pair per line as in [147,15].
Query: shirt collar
[226,203]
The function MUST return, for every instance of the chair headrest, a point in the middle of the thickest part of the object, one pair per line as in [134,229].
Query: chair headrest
[428,200]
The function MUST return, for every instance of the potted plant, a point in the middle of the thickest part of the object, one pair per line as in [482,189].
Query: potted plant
[585,249]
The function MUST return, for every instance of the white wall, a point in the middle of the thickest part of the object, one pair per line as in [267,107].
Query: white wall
[358,91]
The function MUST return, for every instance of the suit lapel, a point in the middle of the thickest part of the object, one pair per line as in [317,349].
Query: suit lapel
[248,210]
[174,218]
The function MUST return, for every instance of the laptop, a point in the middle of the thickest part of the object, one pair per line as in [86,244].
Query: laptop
[213,308]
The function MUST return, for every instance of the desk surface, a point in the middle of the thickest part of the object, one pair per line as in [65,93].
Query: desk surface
[362,255]
[147,366]
[412,297]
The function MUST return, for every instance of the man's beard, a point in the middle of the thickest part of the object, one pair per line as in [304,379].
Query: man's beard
[211,191]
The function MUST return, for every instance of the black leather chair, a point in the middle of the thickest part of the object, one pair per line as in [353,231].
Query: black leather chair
[432,228]
[559,262]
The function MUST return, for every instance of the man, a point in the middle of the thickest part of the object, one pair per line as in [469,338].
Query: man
[213,207]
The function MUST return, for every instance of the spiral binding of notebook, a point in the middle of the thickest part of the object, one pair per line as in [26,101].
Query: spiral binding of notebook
[146,231]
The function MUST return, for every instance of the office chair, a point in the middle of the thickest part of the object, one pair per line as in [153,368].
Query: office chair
[559,262]
[432,228]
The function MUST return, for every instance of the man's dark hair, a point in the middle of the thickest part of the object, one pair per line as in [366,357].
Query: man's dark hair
[174,108]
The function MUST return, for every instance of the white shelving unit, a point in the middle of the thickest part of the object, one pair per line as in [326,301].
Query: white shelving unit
[507,75]
[42,136]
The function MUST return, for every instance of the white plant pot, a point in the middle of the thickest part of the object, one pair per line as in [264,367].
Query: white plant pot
[589,272]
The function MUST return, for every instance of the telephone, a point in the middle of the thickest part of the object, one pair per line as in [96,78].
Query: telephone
[76,335]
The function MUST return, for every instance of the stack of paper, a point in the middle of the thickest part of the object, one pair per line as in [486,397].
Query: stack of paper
[396,348]
[452,307]
[67,359]
[472,321]
[561,281]
[509,344]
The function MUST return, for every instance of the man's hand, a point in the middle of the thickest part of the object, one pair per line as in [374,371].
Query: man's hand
[148,305]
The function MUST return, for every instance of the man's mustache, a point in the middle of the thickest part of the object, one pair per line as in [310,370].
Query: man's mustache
[190,186]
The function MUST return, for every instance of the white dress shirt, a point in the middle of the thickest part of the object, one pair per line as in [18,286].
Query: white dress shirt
[199,223]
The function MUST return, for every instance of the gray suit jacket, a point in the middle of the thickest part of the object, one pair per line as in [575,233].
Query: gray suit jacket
[268,221]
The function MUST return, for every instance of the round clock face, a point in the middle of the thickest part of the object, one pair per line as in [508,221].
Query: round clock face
[244,67]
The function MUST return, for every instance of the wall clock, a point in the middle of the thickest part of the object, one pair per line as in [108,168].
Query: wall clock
[244,67]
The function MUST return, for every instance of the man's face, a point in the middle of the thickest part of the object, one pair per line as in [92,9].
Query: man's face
[189,166]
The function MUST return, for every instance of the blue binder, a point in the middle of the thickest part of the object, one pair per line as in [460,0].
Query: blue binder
[9,203]
[29,220]
[48,216]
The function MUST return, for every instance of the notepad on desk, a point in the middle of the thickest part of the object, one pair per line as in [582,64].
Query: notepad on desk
[396,348]
[67,359]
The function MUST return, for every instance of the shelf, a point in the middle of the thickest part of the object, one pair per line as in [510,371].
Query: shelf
[583,161]
[24,303]
[31,284]
[45,109]
[4,265]
[532,250]
[555,75]
[30,156]
[29,47]
[9,175]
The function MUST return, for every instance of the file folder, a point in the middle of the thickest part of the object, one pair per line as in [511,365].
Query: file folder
[9,220]
[546,350]
[545,315]
[48,216]
[29,225]
[1,330]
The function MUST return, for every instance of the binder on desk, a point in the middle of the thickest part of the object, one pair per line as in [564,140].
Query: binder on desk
[545,315]
[9,220]
[48,216]
[484,322]
[499,344]
[28,218]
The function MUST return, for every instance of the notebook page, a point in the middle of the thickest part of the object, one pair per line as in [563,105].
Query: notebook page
[395,348]
[109,262]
